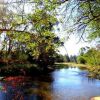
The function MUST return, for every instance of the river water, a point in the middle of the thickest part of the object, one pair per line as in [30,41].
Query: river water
[62,84]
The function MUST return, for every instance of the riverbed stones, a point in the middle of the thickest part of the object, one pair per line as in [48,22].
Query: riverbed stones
[95,98]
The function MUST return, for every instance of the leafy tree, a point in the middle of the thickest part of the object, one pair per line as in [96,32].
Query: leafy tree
[60,58]
[31,32]
[84,16]
[81,59]
[90,57]
[90,17]
[73,59]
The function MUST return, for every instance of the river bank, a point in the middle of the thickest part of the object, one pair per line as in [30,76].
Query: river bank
[73,65]
[33,69]
[25,69]
[94,71]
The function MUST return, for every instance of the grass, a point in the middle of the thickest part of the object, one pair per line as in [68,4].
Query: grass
[71,64]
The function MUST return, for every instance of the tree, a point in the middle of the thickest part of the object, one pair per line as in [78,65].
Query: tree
[85,16]
[30,32]
[90,57]
[81,59]
[90,17]
[73,59]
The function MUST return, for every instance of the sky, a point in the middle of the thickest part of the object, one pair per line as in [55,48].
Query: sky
[71,47]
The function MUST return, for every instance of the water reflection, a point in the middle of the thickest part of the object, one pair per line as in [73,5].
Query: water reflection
[62,84]
[24,88]
[72,84]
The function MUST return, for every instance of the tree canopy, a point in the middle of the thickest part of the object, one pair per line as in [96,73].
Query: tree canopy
[86,18]
[28,32]
[90,56]
[27,25]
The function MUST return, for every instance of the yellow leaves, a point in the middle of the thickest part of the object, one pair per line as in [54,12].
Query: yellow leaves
[22,37]
[9,34]
[35,53]
[48,48]
[48,33]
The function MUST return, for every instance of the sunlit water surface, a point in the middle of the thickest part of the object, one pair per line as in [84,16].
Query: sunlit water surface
[62,84]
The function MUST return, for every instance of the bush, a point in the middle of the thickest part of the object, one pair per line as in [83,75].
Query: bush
[81,60]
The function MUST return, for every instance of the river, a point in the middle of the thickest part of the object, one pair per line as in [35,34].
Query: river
[61,84]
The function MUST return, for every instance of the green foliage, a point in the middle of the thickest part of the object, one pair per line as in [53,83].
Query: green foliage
[90,16]
[94,72]
[81,59]
[22,57]
[61,58]
[91,57]
[32,32]
[84,17]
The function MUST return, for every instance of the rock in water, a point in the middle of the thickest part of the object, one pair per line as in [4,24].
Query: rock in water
[95,98]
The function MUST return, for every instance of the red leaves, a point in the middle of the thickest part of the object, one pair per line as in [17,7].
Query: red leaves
[16,78]
[16,81]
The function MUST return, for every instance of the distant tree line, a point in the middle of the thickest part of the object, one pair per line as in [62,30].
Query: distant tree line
[65,58]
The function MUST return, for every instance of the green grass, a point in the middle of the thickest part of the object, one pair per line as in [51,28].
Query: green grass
[70,64]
